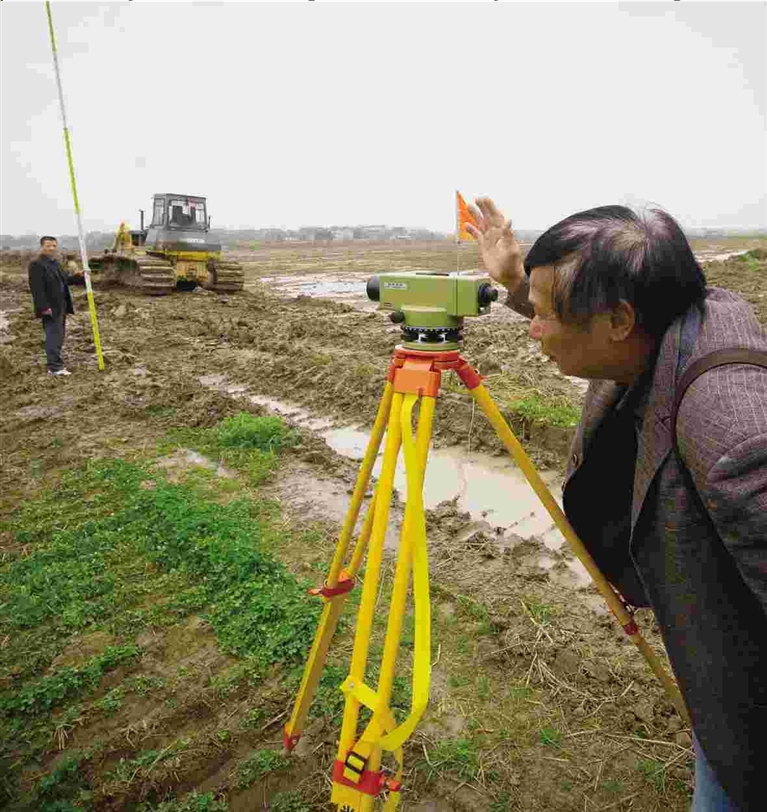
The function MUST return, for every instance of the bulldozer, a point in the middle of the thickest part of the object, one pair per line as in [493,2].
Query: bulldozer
[176,252]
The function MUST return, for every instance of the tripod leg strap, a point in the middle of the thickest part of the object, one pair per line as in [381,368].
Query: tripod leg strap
[416,526]
[382,721]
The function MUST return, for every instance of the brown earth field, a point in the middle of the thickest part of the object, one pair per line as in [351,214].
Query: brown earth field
[161,520]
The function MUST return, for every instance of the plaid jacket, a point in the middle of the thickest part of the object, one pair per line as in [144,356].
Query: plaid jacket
[699,534]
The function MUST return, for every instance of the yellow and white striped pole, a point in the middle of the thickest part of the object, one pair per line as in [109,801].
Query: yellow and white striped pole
[67,143]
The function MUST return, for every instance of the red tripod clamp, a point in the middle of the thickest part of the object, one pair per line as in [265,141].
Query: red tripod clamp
[345,584]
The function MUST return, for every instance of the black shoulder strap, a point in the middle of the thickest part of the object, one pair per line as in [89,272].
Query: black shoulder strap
[713,359]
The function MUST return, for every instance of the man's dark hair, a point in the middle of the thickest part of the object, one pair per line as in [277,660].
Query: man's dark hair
[46,237]
[610,253]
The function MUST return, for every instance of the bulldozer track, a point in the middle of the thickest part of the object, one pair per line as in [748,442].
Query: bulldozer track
[226,276]
[149,274]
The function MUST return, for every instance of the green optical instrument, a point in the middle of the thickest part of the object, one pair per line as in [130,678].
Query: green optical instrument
[431,306]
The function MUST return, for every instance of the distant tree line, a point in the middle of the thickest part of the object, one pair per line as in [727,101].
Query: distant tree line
[233,238]
[99,240]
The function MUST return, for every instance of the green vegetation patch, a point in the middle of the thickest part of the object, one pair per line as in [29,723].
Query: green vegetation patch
[248,443]
[261,764]
[44,693]
[551,411]
[193,802]
[116,549]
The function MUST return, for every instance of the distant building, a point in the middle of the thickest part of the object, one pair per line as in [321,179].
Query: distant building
[343,234]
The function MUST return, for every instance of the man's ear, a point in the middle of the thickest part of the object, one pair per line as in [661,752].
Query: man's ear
[622,321]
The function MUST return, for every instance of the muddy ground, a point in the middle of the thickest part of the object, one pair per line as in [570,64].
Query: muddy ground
[537,700]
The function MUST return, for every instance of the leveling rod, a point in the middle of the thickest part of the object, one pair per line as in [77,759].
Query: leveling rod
[73,183]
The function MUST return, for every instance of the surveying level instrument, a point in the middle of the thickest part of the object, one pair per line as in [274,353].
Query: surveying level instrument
[431,308]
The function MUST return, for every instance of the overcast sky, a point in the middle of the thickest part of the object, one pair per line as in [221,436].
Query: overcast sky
[320,113]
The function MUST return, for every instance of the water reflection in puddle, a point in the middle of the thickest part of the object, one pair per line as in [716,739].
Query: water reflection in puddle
[346,287]
[493,488]
[711,256]
[295,413]
[490,488]
[318,285]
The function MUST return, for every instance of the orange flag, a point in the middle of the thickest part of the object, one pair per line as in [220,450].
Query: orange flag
[463,216]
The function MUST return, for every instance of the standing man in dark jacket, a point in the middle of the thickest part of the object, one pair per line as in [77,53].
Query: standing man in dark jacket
[674,513]
[52,301]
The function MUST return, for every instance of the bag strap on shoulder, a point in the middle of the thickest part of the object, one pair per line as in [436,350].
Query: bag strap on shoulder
[717,358]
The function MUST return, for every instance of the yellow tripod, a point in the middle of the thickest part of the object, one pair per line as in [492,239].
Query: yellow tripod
[357,775]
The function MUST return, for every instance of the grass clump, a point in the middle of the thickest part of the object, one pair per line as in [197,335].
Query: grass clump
[64,789]
[751,258]
[250,431]
[533,409]
[459,757]
[259,765]
[550,736]
[245,442]
[653,771]
[291,801]
[193,802]
[47,692]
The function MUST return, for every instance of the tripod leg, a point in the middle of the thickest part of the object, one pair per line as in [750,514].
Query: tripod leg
[358,778]
[334,605]
[372,574]
[360,487]
[488,406]
[412,557]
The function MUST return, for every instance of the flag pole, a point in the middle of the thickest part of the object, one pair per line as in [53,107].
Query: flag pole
[457,234]
[81,238]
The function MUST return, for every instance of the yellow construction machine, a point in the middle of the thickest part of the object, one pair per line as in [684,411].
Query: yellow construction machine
[177,251]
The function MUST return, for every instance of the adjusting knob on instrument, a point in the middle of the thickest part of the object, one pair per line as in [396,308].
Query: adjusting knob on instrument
[486,293]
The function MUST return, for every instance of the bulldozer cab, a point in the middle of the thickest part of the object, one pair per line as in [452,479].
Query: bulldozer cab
[180,227]
[179,212]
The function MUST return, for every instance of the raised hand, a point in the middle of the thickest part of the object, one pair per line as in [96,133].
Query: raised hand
[499,248]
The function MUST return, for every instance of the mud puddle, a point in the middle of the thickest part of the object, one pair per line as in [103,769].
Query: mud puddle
[5,327]
[186,458]
[712,256]
[348,288]
[492,490]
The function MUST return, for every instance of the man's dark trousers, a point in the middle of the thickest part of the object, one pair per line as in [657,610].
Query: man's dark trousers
[55,327]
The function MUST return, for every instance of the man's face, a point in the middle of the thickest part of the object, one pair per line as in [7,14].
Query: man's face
[582,351]
[49,248]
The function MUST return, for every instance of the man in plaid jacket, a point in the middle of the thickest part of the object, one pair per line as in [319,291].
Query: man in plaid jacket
[676,519]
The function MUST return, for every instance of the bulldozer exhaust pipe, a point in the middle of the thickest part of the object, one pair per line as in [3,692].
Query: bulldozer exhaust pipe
[141,211]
